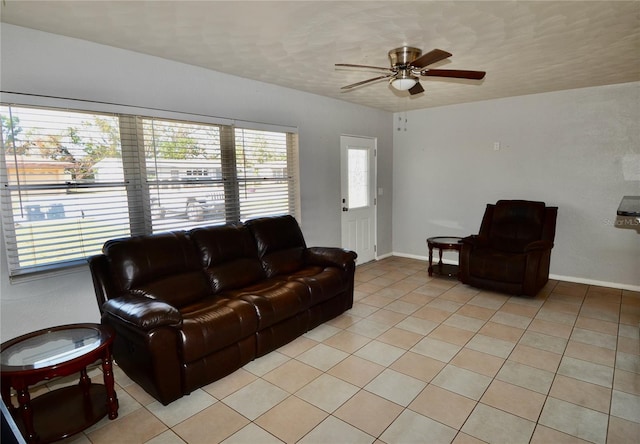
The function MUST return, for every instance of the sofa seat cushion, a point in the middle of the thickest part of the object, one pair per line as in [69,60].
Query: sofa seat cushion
[323,282]
[172,289]
[263,285]
[213,324]
[495,265]
[278,301]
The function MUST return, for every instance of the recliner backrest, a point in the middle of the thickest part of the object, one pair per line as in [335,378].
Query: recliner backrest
[280,243]
[512,224]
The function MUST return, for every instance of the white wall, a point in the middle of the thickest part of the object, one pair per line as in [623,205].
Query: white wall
[40,63]
[576,149]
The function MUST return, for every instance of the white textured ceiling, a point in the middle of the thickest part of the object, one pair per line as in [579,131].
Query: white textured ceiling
[525,47]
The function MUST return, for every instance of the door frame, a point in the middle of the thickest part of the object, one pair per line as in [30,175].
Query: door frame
[374,190]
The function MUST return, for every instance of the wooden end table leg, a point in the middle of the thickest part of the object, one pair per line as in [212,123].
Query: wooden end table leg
[430,269]
[112,399]
[6,396]
[24,401]
[85,381]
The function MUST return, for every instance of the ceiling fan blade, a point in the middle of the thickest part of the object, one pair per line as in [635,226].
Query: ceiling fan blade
[416,89]
[432,56]
[455,73]
[350,65]
[353,85]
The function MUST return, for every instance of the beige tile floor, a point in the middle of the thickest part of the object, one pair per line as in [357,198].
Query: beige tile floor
[421,359]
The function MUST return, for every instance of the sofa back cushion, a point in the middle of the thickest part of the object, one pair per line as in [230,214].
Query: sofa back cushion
[228,255]
[280,243]
[159,266]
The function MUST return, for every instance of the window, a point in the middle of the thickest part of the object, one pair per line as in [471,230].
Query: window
[263,172]
[74,179]
[358,163]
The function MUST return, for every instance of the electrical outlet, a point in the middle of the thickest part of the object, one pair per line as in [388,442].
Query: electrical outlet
[496,146]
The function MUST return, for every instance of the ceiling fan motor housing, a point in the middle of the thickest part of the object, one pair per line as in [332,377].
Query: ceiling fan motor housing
[404,55]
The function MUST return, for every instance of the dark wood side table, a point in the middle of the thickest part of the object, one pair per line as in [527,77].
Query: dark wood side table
[443,243]
[55,352]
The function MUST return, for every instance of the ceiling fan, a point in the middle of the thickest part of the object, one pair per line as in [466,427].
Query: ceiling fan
[408,64]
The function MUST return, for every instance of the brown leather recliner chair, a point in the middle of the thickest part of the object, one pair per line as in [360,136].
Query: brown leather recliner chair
[512,252]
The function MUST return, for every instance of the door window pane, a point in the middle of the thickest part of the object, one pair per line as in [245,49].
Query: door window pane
[358,161]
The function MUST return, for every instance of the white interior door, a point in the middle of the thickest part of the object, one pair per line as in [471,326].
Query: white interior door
[358,172]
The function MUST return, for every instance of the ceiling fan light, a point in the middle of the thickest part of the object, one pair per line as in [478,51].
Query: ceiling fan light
[403,84]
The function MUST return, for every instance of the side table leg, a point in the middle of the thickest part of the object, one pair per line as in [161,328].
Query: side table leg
[26,412]
[430,269]
[85,381]
[6,396]
[112,399]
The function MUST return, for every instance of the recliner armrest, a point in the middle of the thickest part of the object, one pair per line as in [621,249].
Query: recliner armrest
[475,240]
[338,257]
[141,312]
[538,245]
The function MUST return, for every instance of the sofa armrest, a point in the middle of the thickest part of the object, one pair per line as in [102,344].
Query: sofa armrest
[102,280]
[141,312]
[337,257]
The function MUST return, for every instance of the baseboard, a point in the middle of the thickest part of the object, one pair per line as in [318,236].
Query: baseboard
[558,277]
[579,280]
[424,258]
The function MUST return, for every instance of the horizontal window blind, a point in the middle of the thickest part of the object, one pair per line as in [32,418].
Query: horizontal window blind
[266,182]
[74,179]
[183,163]
[58,205]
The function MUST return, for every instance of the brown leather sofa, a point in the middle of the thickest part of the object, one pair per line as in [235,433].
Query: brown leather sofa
[190,307]
[512,252]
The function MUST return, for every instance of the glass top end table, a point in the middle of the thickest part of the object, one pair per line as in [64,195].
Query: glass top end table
[50,348]
[443,243]
[56,352]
